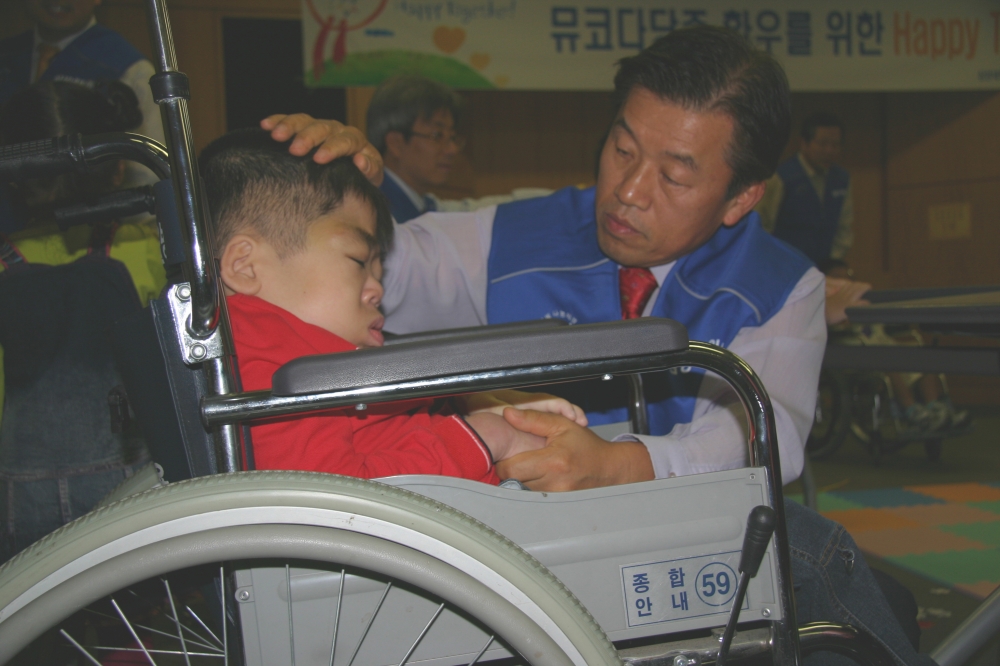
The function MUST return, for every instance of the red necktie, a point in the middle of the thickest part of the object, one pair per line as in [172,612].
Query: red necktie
[636,285]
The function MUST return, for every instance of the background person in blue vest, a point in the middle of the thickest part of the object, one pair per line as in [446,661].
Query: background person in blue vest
[67,44]
[808,201]
[702,118]
[411,121]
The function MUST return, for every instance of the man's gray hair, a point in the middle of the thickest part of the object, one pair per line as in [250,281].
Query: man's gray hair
[399,101]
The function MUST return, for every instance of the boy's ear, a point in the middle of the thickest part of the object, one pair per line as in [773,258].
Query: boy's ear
[239,271]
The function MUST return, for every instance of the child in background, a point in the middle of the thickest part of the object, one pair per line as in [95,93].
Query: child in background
[301,248]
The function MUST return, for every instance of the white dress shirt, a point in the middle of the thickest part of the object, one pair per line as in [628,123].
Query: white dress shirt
[436,277]
[467,204]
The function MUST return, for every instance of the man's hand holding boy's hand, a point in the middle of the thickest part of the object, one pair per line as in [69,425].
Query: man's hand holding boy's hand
[494,402]
[573,456]
[332,139]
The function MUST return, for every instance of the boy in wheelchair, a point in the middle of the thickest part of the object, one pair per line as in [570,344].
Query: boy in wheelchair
[301,248]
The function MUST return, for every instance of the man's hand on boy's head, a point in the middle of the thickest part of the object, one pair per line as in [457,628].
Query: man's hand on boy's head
[495,402]
[332,138]
[573,457]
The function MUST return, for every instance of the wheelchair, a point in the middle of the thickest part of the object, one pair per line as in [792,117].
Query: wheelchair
[864,404]
[306,568]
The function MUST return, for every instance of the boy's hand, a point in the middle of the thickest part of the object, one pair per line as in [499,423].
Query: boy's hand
[573,457]
[502,439]
[495,402]
[333,139]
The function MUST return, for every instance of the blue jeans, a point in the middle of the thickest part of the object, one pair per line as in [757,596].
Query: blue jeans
[833,583]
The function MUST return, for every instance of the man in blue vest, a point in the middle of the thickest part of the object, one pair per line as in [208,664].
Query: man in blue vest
[808,201]
[669,230]
[685,162]
[67,44]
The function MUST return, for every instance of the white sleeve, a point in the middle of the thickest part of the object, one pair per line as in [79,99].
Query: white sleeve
[137,78]
[786,352]
[436,272]
[454,205]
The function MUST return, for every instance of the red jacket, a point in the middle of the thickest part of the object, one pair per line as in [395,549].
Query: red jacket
[394,438]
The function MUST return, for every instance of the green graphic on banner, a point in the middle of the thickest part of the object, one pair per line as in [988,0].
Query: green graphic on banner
[830,45]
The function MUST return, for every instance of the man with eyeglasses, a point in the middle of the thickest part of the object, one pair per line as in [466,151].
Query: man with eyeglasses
[411,121]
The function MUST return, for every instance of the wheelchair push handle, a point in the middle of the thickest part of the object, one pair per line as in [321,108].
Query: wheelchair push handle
[65,154]
[37,159]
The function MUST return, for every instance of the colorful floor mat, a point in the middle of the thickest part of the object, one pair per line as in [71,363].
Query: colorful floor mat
[948,533]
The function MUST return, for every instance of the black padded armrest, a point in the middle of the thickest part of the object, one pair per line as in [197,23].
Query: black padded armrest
[479,352]
[450,333]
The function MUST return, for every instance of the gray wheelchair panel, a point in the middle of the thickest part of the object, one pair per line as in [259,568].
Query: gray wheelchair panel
[615,548]
[404,613]
[645,559]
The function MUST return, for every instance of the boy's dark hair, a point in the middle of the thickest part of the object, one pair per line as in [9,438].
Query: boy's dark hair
[819,119]
[252,181]
[399,101]
[707,68]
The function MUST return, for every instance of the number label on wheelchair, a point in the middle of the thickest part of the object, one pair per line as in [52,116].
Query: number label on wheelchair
[680,589]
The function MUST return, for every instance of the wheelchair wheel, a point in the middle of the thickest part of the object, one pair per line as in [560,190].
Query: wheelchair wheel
[873,422]
[287,519]
[833,416]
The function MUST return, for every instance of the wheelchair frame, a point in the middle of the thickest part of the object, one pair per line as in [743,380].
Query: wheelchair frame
[201,331]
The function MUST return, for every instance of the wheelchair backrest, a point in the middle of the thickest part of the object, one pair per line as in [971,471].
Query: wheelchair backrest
[164,393]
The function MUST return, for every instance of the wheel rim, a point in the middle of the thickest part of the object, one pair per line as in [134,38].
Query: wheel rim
[263,531]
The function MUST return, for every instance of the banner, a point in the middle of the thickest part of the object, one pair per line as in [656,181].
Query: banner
[881,45]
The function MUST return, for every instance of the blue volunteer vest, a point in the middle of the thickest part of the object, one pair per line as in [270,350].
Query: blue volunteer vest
[803,220]
[740,277]
[400,206]
[99,54]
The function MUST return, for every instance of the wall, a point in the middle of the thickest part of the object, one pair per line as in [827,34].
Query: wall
[908,152]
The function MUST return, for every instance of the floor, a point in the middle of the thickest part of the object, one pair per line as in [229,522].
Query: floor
[935,526]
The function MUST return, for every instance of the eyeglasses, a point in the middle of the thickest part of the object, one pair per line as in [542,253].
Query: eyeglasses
[440,138]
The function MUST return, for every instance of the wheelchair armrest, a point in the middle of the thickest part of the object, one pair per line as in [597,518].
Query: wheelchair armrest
[451,333]
[492,350]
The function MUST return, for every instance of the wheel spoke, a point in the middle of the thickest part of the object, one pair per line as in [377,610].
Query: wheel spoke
[155,631]
[177,621]
[483,651]
[291,624]
[371,620]
[203,626]
[79,647]
[423,633]
[154,651]
[223,600]
[132,631]
[336,615]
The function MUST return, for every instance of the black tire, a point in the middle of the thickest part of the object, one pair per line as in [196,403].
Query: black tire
[833,416]
[294,517]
